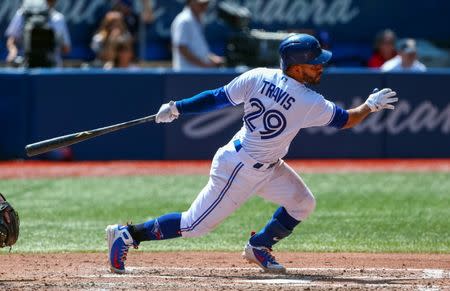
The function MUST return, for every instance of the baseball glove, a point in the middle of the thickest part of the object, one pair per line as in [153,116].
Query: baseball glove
[9,223]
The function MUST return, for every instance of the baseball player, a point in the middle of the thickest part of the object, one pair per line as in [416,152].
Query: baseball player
[277,105]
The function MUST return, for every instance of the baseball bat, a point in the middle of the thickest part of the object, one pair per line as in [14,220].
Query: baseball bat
[73,138]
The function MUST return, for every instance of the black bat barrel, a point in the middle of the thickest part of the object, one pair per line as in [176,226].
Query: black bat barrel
[73,138]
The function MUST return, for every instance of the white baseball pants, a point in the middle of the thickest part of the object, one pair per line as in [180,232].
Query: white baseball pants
[233,179]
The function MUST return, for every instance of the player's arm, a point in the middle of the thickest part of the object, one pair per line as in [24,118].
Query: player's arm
[357,115]
[13,33]
[66,43]
[376,101]
[186,52]
[232,94]
[326,113]
[12,49]
[206,101]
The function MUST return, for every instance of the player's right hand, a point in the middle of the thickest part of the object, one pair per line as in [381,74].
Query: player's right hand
[11,56]
[382,99]
[167,113]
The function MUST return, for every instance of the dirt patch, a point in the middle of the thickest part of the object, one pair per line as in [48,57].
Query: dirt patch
[41,169]
[225,270]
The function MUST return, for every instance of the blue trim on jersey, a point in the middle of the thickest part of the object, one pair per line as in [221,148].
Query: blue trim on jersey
[216,202]
[339,118]
[205,101]
[229,97]
[237,145]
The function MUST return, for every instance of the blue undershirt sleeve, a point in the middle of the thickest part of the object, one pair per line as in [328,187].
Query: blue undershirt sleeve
[340,118]
[206,101]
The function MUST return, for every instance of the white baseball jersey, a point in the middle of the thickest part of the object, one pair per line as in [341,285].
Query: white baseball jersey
[276,107]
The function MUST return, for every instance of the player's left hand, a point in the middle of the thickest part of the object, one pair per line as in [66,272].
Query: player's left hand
[167,113]
[382,99]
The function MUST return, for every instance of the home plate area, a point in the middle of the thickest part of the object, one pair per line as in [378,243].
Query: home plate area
[225,271]
[296,278]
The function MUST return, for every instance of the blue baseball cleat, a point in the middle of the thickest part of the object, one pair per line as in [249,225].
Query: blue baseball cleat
[119,241]
[263,258]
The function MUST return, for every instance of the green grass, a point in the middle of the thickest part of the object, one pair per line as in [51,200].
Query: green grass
[370,212]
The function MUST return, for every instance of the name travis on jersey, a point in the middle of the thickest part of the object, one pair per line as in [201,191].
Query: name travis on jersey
[279,95]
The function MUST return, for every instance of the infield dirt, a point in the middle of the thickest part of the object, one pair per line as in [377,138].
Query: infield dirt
[225,270]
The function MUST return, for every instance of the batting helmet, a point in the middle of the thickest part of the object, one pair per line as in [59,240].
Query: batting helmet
[302,49]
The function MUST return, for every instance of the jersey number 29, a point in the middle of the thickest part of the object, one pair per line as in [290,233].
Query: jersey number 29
[273,121]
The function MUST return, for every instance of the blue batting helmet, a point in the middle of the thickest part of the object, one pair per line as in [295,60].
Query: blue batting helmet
[302,49]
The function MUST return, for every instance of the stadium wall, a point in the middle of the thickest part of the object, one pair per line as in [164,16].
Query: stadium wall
[40,104]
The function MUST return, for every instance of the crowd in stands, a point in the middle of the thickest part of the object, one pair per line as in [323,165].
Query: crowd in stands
[115,41]
[389,57]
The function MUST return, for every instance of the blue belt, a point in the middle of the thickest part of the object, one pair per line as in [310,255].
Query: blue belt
[238,147]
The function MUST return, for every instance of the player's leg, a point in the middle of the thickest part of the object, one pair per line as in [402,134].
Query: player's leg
[213,204]
[122,237]
[228,187]
[296,202]
[231,183]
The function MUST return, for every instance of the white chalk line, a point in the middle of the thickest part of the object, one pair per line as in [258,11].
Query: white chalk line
[270,282]
[428,288]
[434,273]
[427,273]
[421,274]
[278,281]
[258,269]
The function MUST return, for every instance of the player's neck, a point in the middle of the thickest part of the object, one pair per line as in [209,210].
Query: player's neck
[294,76]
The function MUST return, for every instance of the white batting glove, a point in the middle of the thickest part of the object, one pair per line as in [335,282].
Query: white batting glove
[167,113]
[381,100]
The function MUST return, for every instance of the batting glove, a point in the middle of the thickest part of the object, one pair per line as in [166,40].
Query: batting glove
[381,100]
[167,113]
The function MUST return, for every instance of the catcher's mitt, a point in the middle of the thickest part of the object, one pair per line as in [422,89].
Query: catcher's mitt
[9,223]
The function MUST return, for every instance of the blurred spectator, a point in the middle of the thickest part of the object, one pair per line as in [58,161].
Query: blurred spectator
[384,48]
[189,47]
[48,20]
[147,12]
[130,18]
[123,54]
[136,23]
[112,28]
[406,60]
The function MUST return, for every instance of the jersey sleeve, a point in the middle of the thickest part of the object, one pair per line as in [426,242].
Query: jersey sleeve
[326,113]
[181,33]
[204,102]
[15,27]
[240,88]
[65,33]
